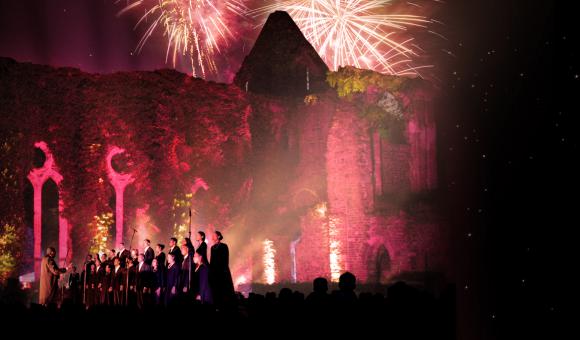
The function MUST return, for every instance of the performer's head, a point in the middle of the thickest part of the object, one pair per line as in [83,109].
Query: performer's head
[217,237]
[50,251]
[172,242]
[112,253]
[171,258]
[93,267]
[89,258]
[103,257]
[121,246]
[184,250]
[117,262]
[154,264]
[108,268]
[200,237]
[141,258]
[159,248]
[74,269]
[146,242]
[134,254]
[198,259]
[347,282]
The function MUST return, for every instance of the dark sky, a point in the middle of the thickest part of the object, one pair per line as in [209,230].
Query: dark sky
[507,147]
[89,35]
[79,33]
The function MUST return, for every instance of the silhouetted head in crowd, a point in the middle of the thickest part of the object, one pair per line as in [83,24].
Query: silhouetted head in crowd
[171,258]
[159,248]
[198,259]
[187,242]
[172,242]
[270,296]
[285,294]
[200,237]
[347,282]
[216,237]
[154,264]
[117,262]
[320,285]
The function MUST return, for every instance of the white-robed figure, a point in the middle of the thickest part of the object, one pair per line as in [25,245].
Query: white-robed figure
[49,274]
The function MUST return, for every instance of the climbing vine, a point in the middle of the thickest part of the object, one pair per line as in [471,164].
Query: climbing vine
[376,95]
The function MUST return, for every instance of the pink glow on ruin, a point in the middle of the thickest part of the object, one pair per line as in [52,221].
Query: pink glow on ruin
[39,176]
[421,133]
[119,182]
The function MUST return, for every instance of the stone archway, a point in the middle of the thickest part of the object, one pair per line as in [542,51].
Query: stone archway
[119,181]
[382,265]
[38,177]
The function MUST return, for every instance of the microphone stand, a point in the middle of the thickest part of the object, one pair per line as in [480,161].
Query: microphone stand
[190,257]
[64,281]
[86,273]
[127,269]
[85,283]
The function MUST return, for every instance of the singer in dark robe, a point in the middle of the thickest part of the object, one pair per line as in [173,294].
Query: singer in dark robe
[119,282]
[148,252]
[130,280]
[184,277]
[200,285]
[74,284]
[111,256]
[172,282]
[123,254]
[143,282]
[221,283]
[49,274]
[107,286]
[90,282]
[202,246]
[161,260]
[86,270]
[158,286]
[134,253]
[101,270]
[174,249]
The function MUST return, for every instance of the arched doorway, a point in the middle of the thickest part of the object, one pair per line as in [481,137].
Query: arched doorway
[381,266]
[50,216]
[45,179]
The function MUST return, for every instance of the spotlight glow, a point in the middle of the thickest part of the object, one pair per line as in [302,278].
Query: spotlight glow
[269,261]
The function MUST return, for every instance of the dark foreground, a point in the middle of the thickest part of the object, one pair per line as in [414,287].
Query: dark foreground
[406,313]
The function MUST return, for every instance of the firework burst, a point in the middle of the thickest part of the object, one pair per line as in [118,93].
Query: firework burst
[356,32]
[194,28]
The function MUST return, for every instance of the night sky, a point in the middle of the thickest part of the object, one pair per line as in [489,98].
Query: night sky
[507,148]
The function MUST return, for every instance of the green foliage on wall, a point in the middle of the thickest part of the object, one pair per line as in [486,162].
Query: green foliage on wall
[9,242]
[349,80]
[375,95]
